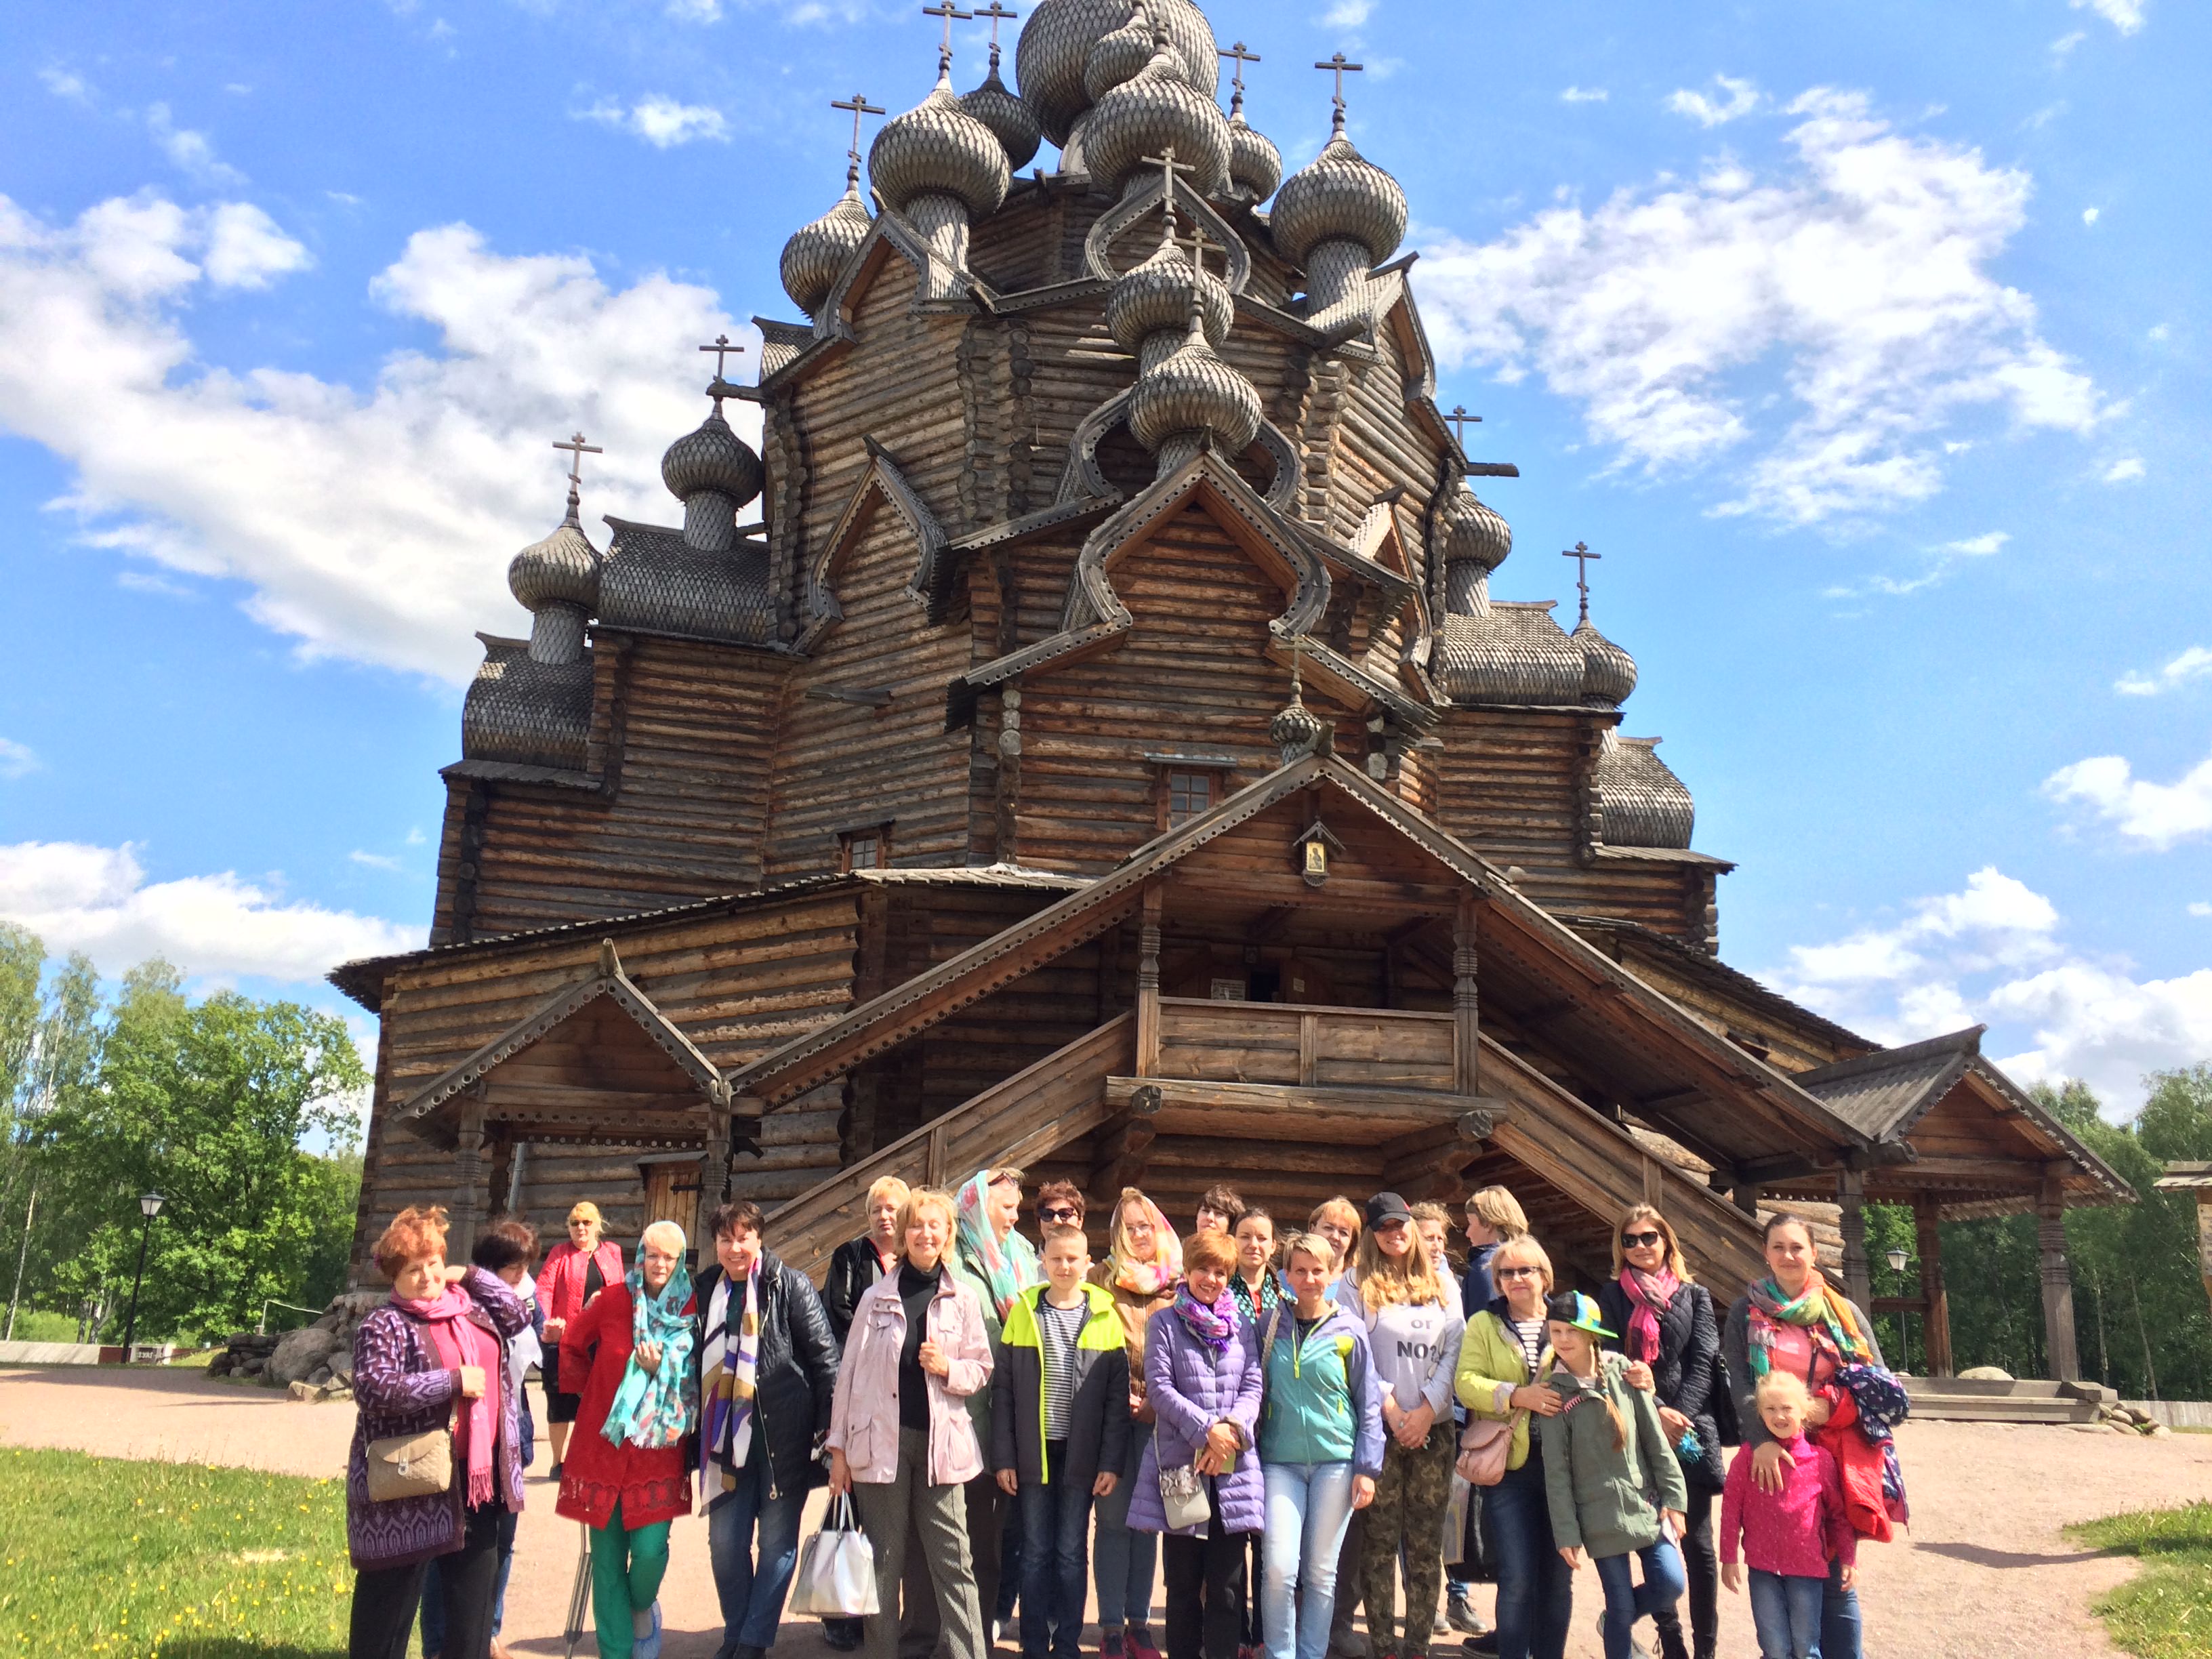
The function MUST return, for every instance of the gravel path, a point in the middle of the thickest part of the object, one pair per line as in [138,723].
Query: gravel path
[1986,1573]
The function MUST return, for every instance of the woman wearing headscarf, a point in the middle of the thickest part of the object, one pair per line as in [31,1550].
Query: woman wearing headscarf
[433,1355]
[1143,1266]
[1667,1323]
[627,1475]
[576,1269]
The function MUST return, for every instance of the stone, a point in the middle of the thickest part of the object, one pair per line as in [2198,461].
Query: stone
[2157,1429]
[299,1354]
[341,1366]
[337,1391]
[305,1391]
[318,1376]
[1986,1374]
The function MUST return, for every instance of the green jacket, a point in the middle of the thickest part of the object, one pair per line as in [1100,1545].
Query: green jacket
[1098,1407]
[1322,1404]
[1490,1361]
[1597,1492]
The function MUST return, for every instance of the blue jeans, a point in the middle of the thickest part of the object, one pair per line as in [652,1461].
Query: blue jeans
[1786,1612]
[1839,1618]
[751,1591]
[1626,1601]
[1124,1564]
[1535,1587]
[1054,1564]
[434,1596]
[1309,1506]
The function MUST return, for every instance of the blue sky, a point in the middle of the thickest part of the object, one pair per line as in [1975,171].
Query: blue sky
[1866,342]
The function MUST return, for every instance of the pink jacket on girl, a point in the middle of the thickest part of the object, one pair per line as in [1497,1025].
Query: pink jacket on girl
[864,1420]
[1797,1531]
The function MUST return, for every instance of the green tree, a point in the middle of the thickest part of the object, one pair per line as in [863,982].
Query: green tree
[51,1031]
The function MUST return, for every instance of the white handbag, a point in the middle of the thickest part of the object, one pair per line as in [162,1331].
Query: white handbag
[835,1578]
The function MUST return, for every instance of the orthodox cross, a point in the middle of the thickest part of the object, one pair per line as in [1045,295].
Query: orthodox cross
[998,15]
[859,104]
[1240,57]
[1168,167]
[948,11]
[577,449]
[1460,420]
[1337,62]
[1582,556]
[721,349]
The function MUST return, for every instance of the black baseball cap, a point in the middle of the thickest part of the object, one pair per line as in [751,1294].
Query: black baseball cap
[1385,1208]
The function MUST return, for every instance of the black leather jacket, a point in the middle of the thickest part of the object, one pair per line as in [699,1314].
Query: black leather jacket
[853,1269]
[796,1374]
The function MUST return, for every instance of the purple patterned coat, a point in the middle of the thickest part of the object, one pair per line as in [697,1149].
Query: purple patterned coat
[1191,1389]
[399,1388]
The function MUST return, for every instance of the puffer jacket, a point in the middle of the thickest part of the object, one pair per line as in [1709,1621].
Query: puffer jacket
[1322,1404]
[1098,1426]
[854,1266]
[864,1418]
[794,1377]
[1596,1492]
[1190,1388]
[1687,1375]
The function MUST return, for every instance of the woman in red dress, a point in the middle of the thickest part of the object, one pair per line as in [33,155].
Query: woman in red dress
[576,1270]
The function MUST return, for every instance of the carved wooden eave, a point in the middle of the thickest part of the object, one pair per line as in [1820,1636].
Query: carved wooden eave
[1136,205]
[428,1111]
[834,334]
[1347,681]
[931,583]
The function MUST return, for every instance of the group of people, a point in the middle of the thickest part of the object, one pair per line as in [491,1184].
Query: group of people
[1282,1423]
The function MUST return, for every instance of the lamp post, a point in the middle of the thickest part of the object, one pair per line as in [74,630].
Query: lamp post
[149,1206]
[1897,1258]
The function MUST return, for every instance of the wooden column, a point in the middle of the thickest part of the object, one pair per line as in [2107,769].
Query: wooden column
[1745,1195]
[1148,984]
[468,1181]
[2057,1280]
[1466,1002]
[1850,1203]
[1936,1337]
[714,1171]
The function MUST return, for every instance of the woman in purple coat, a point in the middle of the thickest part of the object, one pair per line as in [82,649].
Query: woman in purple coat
[1202,1375]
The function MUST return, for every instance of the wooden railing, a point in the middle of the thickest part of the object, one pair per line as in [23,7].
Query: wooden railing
[1020,1121]
[1289,1044]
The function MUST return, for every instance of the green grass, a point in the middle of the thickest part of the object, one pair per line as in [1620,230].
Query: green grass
[2165,1611]
[124,1560]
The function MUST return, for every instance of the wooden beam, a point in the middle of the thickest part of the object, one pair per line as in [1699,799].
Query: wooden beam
[1253,1110]
[1466,1003]
[1270,923]
[1435,1158]
[2058,1279]
[1850,1204]
[1148,983]
[1927,1223]
[1119,1161]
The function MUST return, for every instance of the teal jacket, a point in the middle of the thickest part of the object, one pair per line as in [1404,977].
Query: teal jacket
[1596,1492]
[1322,1405]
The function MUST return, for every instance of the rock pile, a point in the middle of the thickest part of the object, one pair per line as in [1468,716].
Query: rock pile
[313,1363]
[2126,1419]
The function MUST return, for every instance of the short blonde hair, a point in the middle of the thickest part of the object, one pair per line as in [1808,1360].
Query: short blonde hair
[1780,1384]
[1313,1244]
[664,1230]
[1525,1249]
[927,1198]
[1499,1211]
[886,1187]
[584,1210]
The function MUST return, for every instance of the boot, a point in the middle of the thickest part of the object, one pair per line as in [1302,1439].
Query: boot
[1668,1625]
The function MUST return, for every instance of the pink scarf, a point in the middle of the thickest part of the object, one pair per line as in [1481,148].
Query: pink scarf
[1650,1295]
[459,1340]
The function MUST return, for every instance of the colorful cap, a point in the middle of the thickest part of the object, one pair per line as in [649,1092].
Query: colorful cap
[1573,1308]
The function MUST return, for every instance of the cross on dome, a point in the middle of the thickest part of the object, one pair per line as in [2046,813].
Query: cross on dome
[1240,57]
[721,388]
[577,449]
[1168,167]
[949,13]
[1337,62]
[1582,556]
[998,15]
[859,104]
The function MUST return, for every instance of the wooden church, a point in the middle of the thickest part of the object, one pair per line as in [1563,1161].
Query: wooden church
[1083,736]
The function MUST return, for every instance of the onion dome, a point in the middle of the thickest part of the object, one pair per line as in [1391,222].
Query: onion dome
[938,149]
[1120,55]
[1469,529]
[1339,194]
[1296,729]
[1194,393]
[1608,672]
[713,458]
[1055,47]
[1156,295]
[1158,109]
[1256,166]
[816,255]
[563,569]
[1012,122]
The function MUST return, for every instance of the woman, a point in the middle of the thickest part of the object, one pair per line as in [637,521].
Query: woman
[1665,1323]
[1414,1327]
[859,1263]
[1203,1381]
[1337,1220]
[1259,1291]
[1060,1204]
[432,1356]
[1218,1207]
[576,1270]
[627,1475]
[999,1265]
[1321,1448]
[1496,1380]
[1143,1266]
[901,1440]
[1794,1321]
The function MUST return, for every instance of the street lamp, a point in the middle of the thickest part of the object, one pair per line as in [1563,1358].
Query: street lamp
[149,1206]
[1897,1260]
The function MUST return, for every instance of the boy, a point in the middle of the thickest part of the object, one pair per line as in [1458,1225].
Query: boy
[1060,1430]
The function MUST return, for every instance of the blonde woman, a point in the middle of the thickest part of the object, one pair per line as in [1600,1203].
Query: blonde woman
[1142,1268]
[1413,1330]
[576,1269]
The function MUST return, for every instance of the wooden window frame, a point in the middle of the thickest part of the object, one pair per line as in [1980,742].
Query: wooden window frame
[876,836]
[1216,770]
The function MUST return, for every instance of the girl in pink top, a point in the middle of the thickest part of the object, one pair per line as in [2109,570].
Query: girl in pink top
[1790,1536]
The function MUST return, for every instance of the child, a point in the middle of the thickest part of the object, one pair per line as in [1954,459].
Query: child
[1600,1452]
[1788,1536]
[1059,1431]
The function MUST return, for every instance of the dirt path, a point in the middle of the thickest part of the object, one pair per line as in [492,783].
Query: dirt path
[1986,1572]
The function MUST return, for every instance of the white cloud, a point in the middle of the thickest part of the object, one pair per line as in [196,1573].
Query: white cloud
[2066,43]
[1993,954]
[2198,908]
[696,11]
[191,153]
[1940,563]
[375,860]
[1348,14]
[244,248]
[17,759]
[2090,216]
[1738,98]
[1584,95]
[2158,815]
[65,83]
[97,900]
[2193,664]
[661,121]
[2126,471]
[1864,273]
[374,523]
[2125,15]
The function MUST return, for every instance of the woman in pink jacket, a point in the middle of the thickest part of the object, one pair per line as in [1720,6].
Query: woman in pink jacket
[900,1437]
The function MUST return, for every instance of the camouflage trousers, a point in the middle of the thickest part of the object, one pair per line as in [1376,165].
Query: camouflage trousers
[1407,1515]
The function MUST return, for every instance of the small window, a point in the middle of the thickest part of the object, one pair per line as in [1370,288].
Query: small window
[866,849]
[1190,794]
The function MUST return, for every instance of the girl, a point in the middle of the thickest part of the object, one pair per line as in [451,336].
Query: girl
[1601,1451]
[1791,1536]
[1142,1268]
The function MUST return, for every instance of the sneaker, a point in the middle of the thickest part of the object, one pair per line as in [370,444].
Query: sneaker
[843,1635]
[1110,1645]
[1139,1644]
[1636,1649]
[1460,1615]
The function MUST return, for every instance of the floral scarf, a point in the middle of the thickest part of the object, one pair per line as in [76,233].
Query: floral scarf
[458,1340]
[657,1407]
[1650,1295]
[1125,1273]
[1210,1326]
[1825,1318]
[1007,1266]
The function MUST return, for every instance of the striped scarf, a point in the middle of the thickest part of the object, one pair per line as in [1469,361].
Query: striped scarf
[728,1374]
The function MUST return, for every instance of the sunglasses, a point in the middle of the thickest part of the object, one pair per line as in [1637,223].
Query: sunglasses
[1518,1273]
[1638,1241]
[1058,1213]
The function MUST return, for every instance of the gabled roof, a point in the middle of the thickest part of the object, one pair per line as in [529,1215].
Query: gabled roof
[1888,1091]
[882,481]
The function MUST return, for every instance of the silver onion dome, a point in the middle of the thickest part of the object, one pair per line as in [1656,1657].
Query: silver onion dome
[1608,672]
[1120,54]
[1156,296]
[712,458]
[1056,46]
[1012,122]
[1470,530]
[1194,392]
[1296,730]
[816,255]
[1155,111]
[1256,166]
[561,569]
[938,149]
[1340,194]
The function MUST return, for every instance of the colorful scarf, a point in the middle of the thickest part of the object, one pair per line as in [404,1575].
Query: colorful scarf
[659,1407]
[1007,1266]
[1209,1325]
[1125,1273]
[1256,1305]
[1650,1295]
[458,1340]
[1825,1318]
[727,1373]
